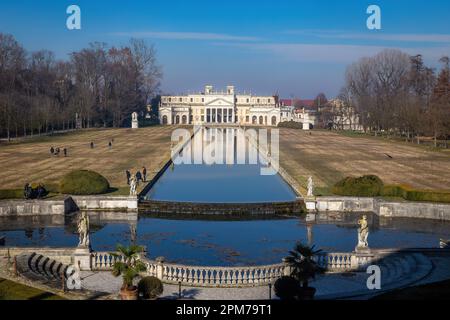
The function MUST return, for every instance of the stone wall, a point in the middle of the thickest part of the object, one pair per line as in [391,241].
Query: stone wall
[347,204]
[384,208]
[273,208]
[423,210]
[63,255]
[104,203]
[36,207]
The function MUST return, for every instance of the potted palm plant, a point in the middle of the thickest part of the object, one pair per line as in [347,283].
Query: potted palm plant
[304,268]
[128,265]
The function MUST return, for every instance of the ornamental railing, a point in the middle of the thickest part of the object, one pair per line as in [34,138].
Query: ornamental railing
[207,276]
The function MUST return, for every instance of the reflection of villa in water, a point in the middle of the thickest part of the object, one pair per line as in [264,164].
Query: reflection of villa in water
[213,107]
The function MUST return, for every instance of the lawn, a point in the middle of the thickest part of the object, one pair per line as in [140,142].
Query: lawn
[329,157]
[31,161]
[10,290]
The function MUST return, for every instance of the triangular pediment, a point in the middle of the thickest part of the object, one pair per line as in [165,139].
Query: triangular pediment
[219,102]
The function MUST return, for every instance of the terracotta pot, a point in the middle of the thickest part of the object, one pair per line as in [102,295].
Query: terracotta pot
[307,293]
[129,294]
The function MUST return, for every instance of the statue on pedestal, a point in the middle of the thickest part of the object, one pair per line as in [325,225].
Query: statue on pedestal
[363,233]
[133,186]
[83,230]
[134,120]
[310,187]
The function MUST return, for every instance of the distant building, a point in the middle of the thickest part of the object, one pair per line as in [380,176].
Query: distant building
[302,111]
[224,107]
[344,117]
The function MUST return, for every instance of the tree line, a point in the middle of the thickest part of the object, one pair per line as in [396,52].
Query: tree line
[102,85]
[397,94]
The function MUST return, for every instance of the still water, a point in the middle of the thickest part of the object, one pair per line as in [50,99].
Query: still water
[202,242]
[220,166]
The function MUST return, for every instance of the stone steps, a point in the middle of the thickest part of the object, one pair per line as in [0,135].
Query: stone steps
[37,267]
[398,270]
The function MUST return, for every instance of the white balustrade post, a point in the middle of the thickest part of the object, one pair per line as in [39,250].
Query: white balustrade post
[160,268]
[287,268]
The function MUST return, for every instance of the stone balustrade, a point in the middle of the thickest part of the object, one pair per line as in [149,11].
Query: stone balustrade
[205,276]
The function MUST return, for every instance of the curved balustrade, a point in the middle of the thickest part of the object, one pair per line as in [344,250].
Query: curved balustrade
[216,276]
[203,276]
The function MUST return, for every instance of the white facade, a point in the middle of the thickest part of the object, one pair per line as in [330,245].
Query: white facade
[344,117]
[213,107]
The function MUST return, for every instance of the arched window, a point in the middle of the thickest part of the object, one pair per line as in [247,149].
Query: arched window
[164,120]
[274,121]
[184,119]
[177,119]
[261,120]
[254,119]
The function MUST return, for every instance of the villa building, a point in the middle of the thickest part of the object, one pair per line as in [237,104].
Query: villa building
[224,107]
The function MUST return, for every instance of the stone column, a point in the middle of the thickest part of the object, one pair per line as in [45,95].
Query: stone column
[160,268]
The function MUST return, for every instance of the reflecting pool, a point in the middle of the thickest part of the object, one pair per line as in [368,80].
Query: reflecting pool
[220,165]
[202,242]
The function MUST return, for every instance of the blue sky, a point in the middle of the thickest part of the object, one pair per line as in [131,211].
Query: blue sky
[297,48]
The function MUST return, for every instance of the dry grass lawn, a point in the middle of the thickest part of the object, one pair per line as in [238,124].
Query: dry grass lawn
[31,161]
[328,157]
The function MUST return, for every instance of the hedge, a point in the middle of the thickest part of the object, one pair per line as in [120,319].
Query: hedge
[411,194]
[290,124]
[83,182]
[372,186]
[365,186]
[11,194]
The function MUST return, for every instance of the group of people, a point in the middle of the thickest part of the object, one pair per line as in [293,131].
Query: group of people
[56,151]
[139,176]
[31,191]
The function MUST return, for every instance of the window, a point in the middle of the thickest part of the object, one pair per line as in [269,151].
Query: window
[192,99]
[203,118]
[247,119]
[181,99]
[248,100]
[170,99]
[257,101]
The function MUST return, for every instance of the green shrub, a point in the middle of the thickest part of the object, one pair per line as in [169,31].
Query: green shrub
[11,194]
[365,186]
[83,182]
[291,125]
[411,194]
[150,287]
[286,288]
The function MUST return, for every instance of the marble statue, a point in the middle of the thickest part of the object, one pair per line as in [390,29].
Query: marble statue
[310,187]
[83,230]
[133,186]
[363,232]
[134,120]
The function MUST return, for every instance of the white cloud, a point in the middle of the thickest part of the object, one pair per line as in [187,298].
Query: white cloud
[329,53]
[381,36]
[185,36]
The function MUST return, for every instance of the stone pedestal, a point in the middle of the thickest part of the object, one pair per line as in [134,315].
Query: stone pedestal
[306,126]
[311,204]
[82,259]
[362,249]
[134,121]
